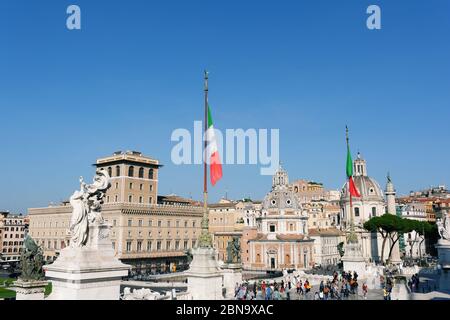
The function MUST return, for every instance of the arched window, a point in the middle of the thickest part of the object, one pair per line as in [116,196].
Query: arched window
[117,171]
[110,171]
[150,174]
[131,171]
[141,172]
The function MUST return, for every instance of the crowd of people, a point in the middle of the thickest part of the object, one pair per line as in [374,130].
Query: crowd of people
[341,286]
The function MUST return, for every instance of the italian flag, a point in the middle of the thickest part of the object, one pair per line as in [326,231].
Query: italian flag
[351,184]
[212,155]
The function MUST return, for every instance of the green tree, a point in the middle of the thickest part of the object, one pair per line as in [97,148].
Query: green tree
[421,228]
[389,226]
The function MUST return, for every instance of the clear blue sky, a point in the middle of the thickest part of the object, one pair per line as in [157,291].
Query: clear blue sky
[134,73]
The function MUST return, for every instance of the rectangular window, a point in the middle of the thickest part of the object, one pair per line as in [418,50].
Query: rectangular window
[150,223]
[374,211]
[113,245]
[130,223]
[158,246]
[168,245]
[185,224]
[178,224]
[141,186]
[177,245]
[149,245]
[185,245]
[193,243]
[140,223]
[356,212]
[272,228]
[128,246]
[139,246]
[159,223]
[168,223]
[131,185]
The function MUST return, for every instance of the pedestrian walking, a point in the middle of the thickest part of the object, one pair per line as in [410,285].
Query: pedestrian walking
[365,290]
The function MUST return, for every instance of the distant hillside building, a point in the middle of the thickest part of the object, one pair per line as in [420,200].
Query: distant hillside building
[411,243]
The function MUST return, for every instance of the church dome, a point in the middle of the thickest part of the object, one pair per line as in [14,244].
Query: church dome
[281,197]
[368,188]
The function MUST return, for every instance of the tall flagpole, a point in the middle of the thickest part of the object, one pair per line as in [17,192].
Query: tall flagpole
[352,236]
[205,238]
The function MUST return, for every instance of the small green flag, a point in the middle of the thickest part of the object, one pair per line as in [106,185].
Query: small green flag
[349,163]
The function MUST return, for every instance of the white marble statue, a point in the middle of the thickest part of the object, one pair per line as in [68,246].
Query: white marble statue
[86,204]
[139,294]
[444,227]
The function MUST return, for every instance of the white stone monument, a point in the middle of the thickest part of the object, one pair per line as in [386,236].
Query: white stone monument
[400,290]
[205,278]
[88,268]
[443,248]
[232,275]
[353,259]
[30,290]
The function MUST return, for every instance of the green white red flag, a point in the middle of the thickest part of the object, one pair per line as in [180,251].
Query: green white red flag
[213,157]
[349,170]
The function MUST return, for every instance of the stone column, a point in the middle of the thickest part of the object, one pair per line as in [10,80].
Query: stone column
[391,209]
[30,290]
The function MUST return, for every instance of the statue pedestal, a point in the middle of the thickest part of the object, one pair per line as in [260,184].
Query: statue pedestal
[443,248]
[91,272]
[232,274]
[204,275]
[400,290]
[30,290]
[353,259]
